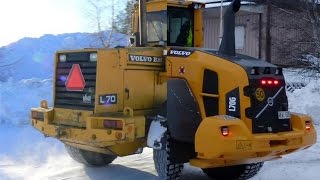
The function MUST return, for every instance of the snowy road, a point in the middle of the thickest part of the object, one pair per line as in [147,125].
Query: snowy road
[25,154]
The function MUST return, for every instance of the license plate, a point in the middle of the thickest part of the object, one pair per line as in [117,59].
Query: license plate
[283,114]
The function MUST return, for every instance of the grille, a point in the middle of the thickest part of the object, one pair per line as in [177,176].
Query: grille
[83,100]
[268,120]
[210,86]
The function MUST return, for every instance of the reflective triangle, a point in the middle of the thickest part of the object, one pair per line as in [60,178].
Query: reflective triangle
[75,80]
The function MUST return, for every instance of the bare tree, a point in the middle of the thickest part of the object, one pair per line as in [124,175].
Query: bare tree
[104,16]
[295,33]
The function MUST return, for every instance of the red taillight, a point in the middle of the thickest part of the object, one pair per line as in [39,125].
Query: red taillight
[308,125]
[225,131]
[37,115]
[113,124]
[269,82]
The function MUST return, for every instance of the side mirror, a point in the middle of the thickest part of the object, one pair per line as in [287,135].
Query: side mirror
[132,39]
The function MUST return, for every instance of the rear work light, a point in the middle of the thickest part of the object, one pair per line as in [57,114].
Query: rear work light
[269,82]
[62,58]
[113,124]
[225,131]
[93,57]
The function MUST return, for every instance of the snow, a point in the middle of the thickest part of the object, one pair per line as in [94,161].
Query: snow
[26,154]
[156,132]
[33,57]
[18,97]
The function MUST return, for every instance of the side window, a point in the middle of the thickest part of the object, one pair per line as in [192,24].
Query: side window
[180,32]
[240,32]
[157,26]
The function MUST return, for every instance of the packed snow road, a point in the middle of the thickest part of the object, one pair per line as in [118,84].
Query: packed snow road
[26,154]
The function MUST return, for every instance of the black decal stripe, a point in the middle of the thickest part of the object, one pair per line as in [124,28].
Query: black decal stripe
[233,103]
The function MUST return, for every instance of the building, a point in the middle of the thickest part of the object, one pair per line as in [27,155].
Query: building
[266,32]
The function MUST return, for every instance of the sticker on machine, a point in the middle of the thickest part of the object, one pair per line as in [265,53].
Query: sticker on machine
[243,145]
[180,53]
[145,59]
[108,99]
[233,103]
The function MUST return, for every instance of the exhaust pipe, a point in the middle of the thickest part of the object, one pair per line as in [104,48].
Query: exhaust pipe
[227,45]
[142,23]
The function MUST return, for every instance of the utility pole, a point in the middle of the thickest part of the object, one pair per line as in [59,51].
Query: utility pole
[268,32]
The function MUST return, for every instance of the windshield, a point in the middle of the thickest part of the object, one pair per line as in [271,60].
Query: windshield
[157,26]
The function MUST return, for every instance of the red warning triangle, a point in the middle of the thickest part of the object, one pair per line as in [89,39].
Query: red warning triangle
[75,80]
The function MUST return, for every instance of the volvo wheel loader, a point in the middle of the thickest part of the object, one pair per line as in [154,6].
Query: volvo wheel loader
[223,112]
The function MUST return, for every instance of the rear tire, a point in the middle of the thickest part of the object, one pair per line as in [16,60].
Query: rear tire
[239,172]
[89,158]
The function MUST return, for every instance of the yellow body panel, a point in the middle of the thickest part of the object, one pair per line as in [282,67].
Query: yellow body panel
[228,71]
[156,5]
[242,147]
[115,74]
[198,28]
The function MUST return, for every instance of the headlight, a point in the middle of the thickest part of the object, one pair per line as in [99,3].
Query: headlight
[62,58]
[93,57]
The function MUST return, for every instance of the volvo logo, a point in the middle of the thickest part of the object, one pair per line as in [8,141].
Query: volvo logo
[270,101]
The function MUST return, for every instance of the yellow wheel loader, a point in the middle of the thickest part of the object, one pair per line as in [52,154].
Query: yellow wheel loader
[223,112]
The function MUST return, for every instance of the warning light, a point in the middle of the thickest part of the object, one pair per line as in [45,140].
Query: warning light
[269,82]
[75,80]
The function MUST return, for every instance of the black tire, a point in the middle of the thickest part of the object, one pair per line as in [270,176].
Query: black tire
[164,168]
[239,172]
[89,158]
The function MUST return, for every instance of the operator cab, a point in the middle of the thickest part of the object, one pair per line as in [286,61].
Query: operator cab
[172,23]
[180,27]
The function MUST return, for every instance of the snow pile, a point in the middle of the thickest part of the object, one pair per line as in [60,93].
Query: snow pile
[33,57]
[17,97]
[305,100]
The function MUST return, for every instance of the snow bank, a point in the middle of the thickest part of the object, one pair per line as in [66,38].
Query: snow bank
[305,100]
[17,97]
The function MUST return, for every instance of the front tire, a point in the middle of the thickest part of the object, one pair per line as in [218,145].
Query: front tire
[89,158]
[239,172]
[164,168]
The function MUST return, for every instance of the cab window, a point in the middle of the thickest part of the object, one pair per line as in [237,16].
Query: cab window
[157,26]
[180,31]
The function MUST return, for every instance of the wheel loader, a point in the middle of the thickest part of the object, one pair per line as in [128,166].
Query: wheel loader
[223,112]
